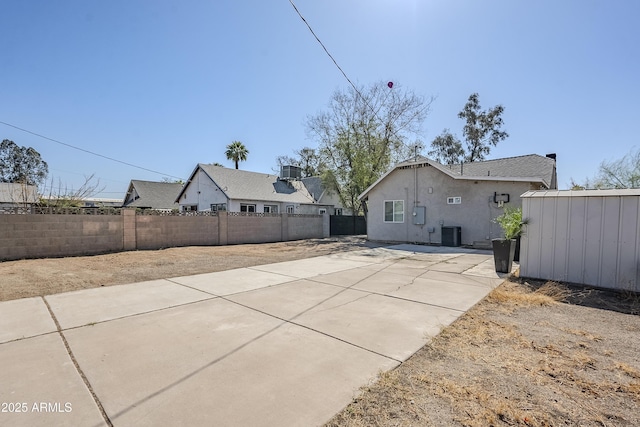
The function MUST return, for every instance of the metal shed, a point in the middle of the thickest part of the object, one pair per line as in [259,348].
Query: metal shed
[590,237]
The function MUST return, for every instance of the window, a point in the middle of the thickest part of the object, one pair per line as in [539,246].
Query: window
[247,208]
[190,208]
[394,211]
[290,209]
[338,211]
[219,207]
[454,200]
[322,211]
[271,209]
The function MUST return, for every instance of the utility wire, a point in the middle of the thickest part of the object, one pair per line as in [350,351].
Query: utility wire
[373,110]
[89,152]
[325,49]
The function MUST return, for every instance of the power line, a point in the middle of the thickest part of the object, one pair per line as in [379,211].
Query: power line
[373,110]
[325,49]
[89,152]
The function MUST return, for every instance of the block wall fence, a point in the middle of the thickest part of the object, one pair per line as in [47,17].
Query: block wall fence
[59,235]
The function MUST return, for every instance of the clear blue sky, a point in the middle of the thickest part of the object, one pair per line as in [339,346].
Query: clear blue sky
[168,84]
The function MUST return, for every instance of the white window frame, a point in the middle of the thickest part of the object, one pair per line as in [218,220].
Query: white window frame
[338,211]
[219,207]
[456,200]
[397,215]
[290,209]
[322,211]
[273,209]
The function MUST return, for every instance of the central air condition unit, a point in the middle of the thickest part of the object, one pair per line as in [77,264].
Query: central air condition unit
[290,173]
[451,236]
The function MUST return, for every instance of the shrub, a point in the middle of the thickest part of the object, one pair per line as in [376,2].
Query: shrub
[511,222]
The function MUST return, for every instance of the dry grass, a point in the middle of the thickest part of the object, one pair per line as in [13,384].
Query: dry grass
[524,295]
[518,358]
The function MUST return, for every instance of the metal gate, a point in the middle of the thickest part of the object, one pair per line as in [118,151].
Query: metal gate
[347,225]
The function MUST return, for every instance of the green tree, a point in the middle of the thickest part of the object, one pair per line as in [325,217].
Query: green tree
[620,173]
[447,148]
[308,159]
[482,130]
[237,152]
[362,133]
[21,164]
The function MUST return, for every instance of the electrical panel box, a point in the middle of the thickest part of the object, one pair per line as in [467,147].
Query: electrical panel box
[419,215]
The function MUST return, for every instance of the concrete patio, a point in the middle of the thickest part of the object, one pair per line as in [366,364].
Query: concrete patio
[285,344]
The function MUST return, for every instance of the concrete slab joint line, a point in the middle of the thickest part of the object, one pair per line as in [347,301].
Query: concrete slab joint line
[77,366]
[334,320]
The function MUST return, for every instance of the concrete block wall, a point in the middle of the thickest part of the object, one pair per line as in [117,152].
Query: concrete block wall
[253,229]
[58,235]
[305,227]
[37,236]
[155,232]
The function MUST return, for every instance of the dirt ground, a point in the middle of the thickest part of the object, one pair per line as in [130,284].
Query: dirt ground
[37,277]
[530,354]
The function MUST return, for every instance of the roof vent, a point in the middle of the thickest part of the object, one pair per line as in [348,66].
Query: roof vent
[290,173]
[551,156]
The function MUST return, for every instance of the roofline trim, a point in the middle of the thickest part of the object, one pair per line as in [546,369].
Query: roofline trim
[443,169]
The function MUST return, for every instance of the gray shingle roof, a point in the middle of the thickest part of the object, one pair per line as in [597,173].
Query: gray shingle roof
[528,166]
[243,185]
[154,195]
[314,186]
[531,167]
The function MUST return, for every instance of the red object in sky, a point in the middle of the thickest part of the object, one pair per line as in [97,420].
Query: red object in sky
[390,84]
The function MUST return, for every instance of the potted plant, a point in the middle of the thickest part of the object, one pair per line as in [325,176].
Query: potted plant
[504,249]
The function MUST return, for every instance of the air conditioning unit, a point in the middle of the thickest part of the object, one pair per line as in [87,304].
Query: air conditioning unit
[288,173]
[451,236]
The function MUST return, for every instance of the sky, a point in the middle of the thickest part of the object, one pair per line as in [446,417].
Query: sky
[165,85]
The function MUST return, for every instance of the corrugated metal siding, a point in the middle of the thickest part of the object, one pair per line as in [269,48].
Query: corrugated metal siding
[589,237]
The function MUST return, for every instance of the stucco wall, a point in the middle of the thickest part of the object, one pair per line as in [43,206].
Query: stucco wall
[202,192]
[54,235]
[427,186]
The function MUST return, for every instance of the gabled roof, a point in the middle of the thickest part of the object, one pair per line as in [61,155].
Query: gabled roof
[527,168]
[152,194]
[18,193]
[238,184]
[314,187]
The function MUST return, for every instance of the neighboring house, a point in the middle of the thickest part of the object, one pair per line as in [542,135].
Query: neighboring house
[223,189]
[17,195]
[414,200]
[152,195]
[100,202]
[324,197]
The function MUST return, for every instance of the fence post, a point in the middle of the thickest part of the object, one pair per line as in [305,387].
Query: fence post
[129,229]
[223,224]
[284,226]
[326,225]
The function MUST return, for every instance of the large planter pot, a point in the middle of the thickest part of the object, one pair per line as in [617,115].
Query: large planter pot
[516,255]
[503,252]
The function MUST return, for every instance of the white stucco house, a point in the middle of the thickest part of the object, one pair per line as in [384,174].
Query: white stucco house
[14,195]
[216,188]
[419,200]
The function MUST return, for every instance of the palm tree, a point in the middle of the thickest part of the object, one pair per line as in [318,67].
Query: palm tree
[237,152]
